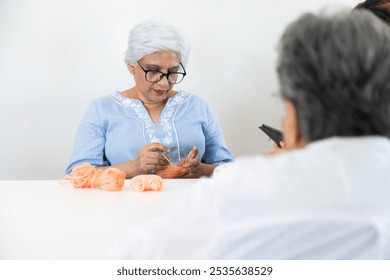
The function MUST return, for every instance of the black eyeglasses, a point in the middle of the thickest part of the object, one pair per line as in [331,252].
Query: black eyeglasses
[154,76]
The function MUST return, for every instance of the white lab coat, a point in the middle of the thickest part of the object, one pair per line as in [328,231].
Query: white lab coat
[330,200]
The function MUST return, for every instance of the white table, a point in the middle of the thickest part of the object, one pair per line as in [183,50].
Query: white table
[47,220]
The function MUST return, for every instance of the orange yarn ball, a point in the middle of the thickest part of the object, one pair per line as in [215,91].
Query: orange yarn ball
[81,175]
[87,176]
[112,179]
[142,183]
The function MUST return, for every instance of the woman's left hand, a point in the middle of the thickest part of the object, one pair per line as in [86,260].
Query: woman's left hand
[192,165]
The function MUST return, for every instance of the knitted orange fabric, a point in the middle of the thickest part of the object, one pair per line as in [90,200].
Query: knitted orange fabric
[169,172]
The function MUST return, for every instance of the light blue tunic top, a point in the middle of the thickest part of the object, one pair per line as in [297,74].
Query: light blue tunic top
[115,128]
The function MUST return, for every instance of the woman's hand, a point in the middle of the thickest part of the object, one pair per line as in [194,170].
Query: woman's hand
[194,168]
[149,160]
[191,165]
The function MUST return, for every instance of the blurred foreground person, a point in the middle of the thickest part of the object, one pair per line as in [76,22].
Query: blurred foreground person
[328,197]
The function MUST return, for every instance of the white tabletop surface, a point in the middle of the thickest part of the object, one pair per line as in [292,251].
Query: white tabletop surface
[47,220]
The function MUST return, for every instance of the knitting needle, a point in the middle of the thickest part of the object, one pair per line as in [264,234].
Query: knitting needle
[167,158]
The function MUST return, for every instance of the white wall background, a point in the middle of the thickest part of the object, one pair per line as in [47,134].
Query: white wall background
[56,56]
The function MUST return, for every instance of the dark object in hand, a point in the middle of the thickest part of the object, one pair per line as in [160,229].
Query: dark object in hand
[273,133]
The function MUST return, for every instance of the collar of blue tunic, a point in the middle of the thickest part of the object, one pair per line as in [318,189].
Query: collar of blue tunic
[164,131]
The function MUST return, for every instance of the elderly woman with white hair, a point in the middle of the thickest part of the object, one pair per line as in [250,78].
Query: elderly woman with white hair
[145,128]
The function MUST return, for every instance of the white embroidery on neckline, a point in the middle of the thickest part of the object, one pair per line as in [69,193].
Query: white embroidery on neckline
[165,121]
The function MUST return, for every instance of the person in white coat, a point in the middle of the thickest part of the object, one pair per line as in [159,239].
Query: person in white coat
[328,196]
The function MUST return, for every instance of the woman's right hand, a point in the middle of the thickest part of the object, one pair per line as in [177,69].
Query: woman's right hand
[149,160]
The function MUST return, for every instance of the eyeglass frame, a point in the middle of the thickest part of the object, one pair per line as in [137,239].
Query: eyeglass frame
[162,75]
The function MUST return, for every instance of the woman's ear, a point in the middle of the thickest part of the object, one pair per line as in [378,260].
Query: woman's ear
[131,68]
[291,133]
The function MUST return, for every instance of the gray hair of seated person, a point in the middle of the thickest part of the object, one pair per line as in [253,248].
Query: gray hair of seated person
[336,70]
[153,35]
